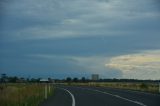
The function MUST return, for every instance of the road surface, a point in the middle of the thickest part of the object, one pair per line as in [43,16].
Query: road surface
[99,96]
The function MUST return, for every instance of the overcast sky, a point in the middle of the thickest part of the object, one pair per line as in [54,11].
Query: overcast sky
[61,38]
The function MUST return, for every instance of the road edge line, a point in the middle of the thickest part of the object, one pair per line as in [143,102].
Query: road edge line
[72,96]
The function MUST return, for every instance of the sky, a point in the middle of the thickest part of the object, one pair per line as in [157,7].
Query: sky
[76,38]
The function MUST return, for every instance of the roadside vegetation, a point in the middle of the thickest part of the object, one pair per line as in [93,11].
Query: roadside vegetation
[19,91]
[23,94]
[145,87]
[151,86]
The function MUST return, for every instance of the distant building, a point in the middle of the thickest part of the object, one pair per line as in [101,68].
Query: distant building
[44,80]
[49,80]
[95,77]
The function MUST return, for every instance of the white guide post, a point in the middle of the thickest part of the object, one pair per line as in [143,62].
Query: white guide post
[45,94]
[49,88]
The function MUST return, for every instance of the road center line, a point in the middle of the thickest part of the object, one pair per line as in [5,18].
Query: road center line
[73,98]
[117,96]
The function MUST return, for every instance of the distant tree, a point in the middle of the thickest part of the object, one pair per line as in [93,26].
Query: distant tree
[13,79]
[28,80]
[49,79]
[75,79]
[16,78]
[83,79]
[33,80]
[68,79]
[22,79]
[144,86]
[39,79]
[3,77]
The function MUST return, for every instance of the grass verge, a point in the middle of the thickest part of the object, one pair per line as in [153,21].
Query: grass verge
[22,94]
[145,87]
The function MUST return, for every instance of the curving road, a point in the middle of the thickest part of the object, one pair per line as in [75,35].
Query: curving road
[99,96]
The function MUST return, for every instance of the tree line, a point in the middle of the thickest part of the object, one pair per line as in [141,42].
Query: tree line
[15,79]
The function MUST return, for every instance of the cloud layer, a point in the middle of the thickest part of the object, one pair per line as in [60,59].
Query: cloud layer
[39,19]
[144,65]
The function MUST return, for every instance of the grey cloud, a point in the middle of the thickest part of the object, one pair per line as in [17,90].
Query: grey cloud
[80,28]
[48,19]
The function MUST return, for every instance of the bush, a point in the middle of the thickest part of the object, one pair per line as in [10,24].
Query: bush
[144,86]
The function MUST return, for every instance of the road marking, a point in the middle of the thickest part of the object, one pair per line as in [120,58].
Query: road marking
[73,98]
[146,93]
[117,96]
[130,91]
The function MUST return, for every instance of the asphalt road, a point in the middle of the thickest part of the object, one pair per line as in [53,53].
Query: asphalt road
[98,96]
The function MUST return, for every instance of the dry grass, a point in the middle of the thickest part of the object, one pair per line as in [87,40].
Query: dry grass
[22,94]
[146,87]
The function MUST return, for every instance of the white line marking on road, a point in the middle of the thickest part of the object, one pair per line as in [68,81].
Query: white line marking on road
[131,91]
[146,93]
[117,96]
[73,98]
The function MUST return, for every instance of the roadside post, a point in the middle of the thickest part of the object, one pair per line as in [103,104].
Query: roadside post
[45,83]
[49,88]
[45,94]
